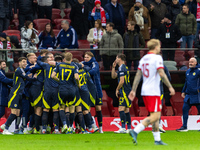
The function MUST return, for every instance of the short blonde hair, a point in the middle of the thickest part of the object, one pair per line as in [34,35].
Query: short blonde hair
[30,54]
[151,44]
[68,56]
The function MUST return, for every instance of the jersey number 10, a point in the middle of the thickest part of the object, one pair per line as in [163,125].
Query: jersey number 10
[145,70]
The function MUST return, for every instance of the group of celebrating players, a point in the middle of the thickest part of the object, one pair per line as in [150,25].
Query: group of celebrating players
[60,87]
[67,88]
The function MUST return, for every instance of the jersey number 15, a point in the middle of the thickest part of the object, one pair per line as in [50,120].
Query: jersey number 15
[145,70]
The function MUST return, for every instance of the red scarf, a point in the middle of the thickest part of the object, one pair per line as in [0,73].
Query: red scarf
[103,15]
[198,12]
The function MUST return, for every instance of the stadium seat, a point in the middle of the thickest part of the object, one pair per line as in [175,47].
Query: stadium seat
[38,22]
[143,112]
[77,53]
[54,52]
[66,16]
[80,58]
[166,110]
[7,112]
[17,35]
[101,67]
[108,101]
[8,32]
[67,11]
[56,11]
[193,111]
[57,27]
[177,104]
[177,59]
[41,27]
[93,111]
[37,54]
[184,63]
[179,53]
[56,16]
[136,107]
[191,53]
[84,44]
[58,21]
[116,114]
[132,111]
[14,23]
[15,65]
[56,31]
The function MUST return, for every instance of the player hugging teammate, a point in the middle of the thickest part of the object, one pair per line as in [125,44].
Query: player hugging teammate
[56,89]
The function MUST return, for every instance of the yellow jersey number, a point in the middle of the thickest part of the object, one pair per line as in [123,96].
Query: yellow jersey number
[69,74]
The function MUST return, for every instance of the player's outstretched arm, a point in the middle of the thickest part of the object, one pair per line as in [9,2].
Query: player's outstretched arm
[136,81]
[53,76]
[166,81]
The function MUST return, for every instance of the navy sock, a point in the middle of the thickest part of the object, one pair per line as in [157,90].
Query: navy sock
[45,119]
[10,119]
[67,118]
[32,121]
[91,119]
[63,117]
[99,118]
[128,120]
[24,124]
[37,122]
[77,123]
[123,118]
[81,120]
[88,121]
[56,119]
[71,119]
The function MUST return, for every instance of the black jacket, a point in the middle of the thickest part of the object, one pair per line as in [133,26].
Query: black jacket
[197,45]
[174,10]
[193,7]
[5,9]
[24,6]
[175,34]
[79,19]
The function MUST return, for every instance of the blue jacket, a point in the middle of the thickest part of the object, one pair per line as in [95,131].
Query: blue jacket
[67,39]
[95,75]
[108,8]
[169,78]
[97,16]
[192,85]
[46,41]
[4,88]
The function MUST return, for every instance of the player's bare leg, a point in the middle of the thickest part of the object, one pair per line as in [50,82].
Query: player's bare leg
[99,117]
[11,118]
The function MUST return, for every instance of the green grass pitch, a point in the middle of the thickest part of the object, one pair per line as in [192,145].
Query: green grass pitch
[108,141]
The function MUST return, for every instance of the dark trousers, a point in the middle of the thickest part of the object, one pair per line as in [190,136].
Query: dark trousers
[56,4]
[120,30]
[129,63]
[24,18]
[153,33]
[186,108]
[4,24]
[168,54]
[81,37]
[95,53]
[108,61]
[45,10]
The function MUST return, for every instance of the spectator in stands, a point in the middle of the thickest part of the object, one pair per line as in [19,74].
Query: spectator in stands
[79,17]
[195,10]
[94,37]
[116,15]
[98,13]
[188,25]
[26,8]
[168,33]
[174,9]
[5,14]
[157,11]
[29,38]
[190,91]
[6,44]
[112,39]
[47,38]
[166,2]
[147,3]
[140,15]
[197,52]
[67,37]
[182,2]
[104,2]
[56,4]
[45,8]
[133,39]
[127,4]
[4,90]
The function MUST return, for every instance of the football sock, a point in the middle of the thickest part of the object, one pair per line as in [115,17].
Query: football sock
[32,121]
[44,119]
[91,119]
[63,117]
[71,119]
[156,136]
[24,122]
[10,119]
[88,121]
[128,120]
[140,127]
[56,120]
[81,120]
[67,118]
[17,122]
[123,118]
[99,118]
[76,120]
[37,122]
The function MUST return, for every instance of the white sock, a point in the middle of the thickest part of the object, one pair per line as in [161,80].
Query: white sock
[140,127]
[93,125]
[30,128]
[156,136]
[56,130]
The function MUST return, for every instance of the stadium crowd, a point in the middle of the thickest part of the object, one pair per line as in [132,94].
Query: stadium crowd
[103,25]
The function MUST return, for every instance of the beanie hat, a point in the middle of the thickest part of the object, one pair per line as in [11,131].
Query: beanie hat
[97,2]
[139,1]
[3,35]
[168,16]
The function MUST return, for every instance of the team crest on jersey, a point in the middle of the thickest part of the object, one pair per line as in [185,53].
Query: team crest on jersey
[67,35]
[15,105]
[194,74]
